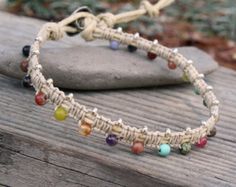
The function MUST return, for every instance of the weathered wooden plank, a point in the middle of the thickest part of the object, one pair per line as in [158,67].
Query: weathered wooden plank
[37,134]
[27,171]
[37,165]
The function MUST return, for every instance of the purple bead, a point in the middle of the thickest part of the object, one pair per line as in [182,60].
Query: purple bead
[114,44]
[112,139]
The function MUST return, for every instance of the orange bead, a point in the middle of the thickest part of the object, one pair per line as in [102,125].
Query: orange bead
[85,128]
[137,147]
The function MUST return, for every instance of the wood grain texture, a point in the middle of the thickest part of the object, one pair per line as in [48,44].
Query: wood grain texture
[38,151]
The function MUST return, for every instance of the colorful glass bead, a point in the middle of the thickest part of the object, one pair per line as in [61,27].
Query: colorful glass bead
[196,91]
[151,55]
[40,99]
[26,82]
[60,113]
[202,142]
[185,148]
[26,50]
[164,150]
[185,77]
[204,103]
[24,65]
[132,48]
[114,44]
[212,132]
[112,139]
[85,128]
[171,65]
[137,147]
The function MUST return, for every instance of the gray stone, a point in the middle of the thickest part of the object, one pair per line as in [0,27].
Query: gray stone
[76,64]
[3,4]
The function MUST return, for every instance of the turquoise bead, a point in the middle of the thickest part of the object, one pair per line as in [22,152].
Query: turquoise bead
[114,44]
[164,150]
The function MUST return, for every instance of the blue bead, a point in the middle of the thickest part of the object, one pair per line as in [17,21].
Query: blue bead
[114,44]
[164,150]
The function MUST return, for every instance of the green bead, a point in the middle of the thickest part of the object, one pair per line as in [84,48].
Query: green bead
[185,77]
[196,91]
[60,113]
[164,150]
[185,148]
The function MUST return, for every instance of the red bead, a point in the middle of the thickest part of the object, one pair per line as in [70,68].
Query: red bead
[40,99]
[151,55]
[202,142]
[137,147]
[171,64]
[24,65]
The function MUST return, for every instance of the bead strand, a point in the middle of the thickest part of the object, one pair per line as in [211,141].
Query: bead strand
[115,131]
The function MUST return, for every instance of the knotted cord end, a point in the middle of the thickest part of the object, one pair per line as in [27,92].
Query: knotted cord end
[54,31]
[105,20]
[154,10]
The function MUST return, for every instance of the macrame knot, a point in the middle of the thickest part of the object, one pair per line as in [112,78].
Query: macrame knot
[89,22]
[55,31]
[107,18]
[92,22]
[152,10]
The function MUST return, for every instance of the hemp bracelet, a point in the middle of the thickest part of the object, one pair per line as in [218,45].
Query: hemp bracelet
[90,28]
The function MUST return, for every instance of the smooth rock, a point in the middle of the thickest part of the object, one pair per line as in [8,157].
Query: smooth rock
[76,64]
[3,4]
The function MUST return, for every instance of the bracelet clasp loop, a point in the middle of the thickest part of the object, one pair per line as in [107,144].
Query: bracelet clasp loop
[79,23]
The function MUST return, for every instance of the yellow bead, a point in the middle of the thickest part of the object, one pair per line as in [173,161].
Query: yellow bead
[85,128]
[60,113]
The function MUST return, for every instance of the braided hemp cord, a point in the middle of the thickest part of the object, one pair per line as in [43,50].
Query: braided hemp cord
[99,28]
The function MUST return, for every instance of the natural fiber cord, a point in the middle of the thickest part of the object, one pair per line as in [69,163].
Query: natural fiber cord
[99,27]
